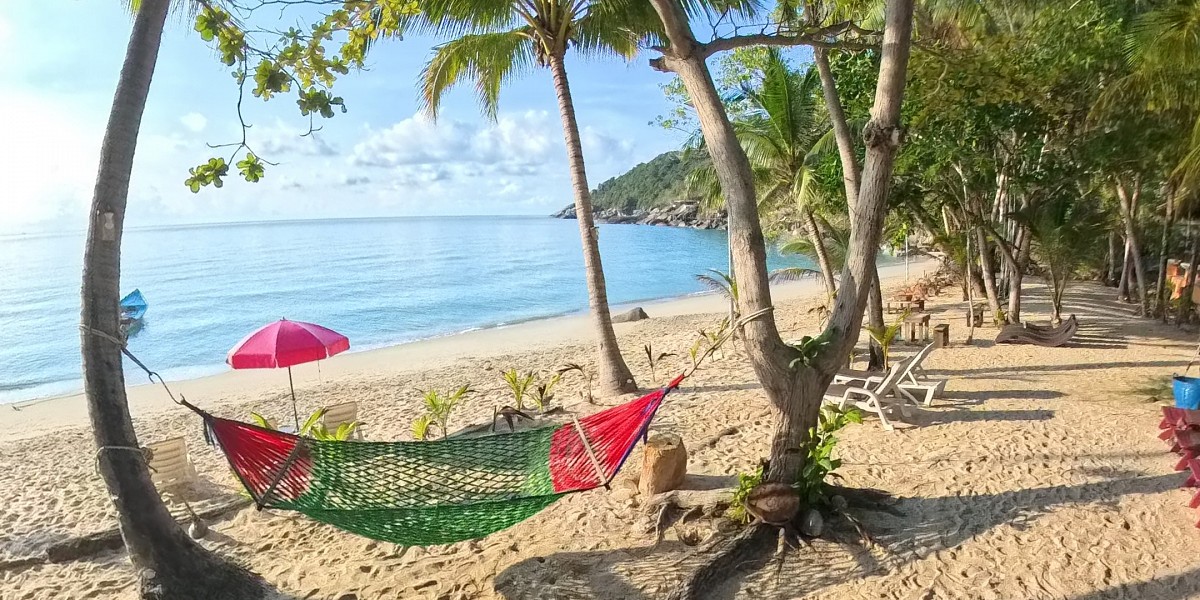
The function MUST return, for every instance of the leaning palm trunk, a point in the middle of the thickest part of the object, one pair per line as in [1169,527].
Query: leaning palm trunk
[168,563]
[794,388]
[826,265]
[614,376]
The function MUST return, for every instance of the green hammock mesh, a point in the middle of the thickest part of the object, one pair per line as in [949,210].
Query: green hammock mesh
[422,493]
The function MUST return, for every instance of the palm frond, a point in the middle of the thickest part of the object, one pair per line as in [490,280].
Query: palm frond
[791,274]
[489,60]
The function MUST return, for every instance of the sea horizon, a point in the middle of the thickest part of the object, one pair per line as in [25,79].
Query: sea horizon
[382,281]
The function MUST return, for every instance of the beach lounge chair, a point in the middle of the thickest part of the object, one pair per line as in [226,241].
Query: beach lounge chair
[874,398]
[170,464]
[1049,337]
[912,384]
[339,414]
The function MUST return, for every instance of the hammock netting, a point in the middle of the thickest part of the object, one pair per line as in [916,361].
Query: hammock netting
[439,492]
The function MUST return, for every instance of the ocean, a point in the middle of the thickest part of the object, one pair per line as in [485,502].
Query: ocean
[380,282]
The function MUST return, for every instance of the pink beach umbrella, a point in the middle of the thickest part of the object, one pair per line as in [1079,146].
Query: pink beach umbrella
[285,343]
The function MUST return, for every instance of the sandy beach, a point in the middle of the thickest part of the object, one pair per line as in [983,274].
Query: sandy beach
[1037,476]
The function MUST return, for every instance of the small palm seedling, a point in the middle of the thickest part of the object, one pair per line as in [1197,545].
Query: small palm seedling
[654,360]
[721,283]
[313,427]
[885,335]
[567,368]
[438,408]
[695,353]
[543,392]
[519,385]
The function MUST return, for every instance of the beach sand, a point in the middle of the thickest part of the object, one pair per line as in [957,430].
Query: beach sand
[1038,476]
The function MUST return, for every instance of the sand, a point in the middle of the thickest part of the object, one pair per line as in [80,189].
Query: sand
[1038,476]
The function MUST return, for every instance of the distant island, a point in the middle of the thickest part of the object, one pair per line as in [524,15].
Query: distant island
[652,193]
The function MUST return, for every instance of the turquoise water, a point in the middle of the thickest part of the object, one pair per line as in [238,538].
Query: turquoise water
[379,281]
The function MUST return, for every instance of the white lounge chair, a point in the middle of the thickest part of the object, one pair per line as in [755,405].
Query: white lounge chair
[871,397]
[170,464]
[339,414]
[912,384]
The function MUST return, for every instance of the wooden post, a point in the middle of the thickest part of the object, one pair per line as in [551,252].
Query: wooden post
[941,335]
[664,464]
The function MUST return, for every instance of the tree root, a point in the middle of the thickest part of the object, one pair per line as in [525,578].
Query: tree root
[713,439]
[726,556]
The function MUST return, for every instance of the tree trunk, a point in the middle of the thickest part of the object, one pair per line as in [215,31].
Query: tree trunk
[1162,297]
[814,234]
[614,376]
[1129,207]
[988,272]
[168,563]
[1126,274]
[1017,275]
[841,127]
[851,181]
[1111,263]
[795,394]
[877,361]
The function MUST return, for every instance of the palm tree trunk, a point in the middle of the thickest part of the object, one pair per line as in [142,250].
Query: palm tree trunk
[614,376]
[814,235]
[795,394]
[1016,275]
[168,563]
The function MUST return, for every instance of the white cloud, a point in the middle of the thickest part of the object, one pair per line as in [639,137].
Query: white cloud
[514,143]
[194,122]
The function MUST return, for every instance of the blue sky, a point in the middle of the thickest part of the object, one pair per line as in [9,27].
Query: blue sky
[59,62]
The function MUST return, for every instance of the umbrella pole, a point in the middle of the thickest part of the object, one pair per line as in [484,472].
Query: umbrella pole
[295,414]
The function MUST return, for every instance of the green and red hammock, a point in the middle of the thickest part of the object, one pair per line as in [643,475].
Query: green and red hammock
[422,493]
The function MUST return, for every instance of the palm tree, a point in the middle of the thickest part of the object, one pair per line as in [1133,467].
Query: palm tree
[1066,232]
[783,130]
[168,563]
[497,41]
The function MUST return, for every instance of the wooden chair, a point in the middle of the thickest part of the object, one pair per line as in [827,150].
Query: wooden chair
[339,414]
[170,464]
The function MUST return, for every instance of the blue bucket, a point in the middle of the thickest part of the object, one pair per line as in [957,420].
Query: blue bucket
[1187,392]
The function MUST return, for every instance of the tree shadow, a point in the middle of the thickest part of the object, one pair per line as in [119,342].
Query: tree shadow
[1055,368]
[978,397]
[904,529]
[1165,587]
[928,418]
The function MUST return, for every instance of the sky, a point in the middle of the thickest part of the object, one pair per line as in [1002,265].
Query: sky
[59,63]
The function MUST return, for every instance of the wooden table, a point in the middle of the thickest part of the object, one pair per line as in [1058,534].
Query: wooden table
[915,322]
[902,304]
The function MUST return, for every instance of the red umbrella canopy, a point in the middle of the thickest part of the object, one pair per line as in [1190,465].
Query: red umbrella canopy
[285,343]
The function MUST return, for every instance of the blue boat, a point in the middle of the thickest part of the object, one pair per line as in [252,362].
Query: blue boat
[133,308]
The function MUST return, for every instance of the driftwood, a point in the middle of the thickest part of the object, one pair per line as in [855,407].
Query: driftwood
[103,541]
[711,502]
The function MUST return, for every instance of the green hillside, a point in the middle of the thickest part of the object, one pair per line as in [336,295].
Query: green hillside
[658,182]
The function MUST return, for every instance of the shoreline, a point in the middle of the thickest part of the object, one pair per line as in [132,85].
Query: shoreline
[31,417]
